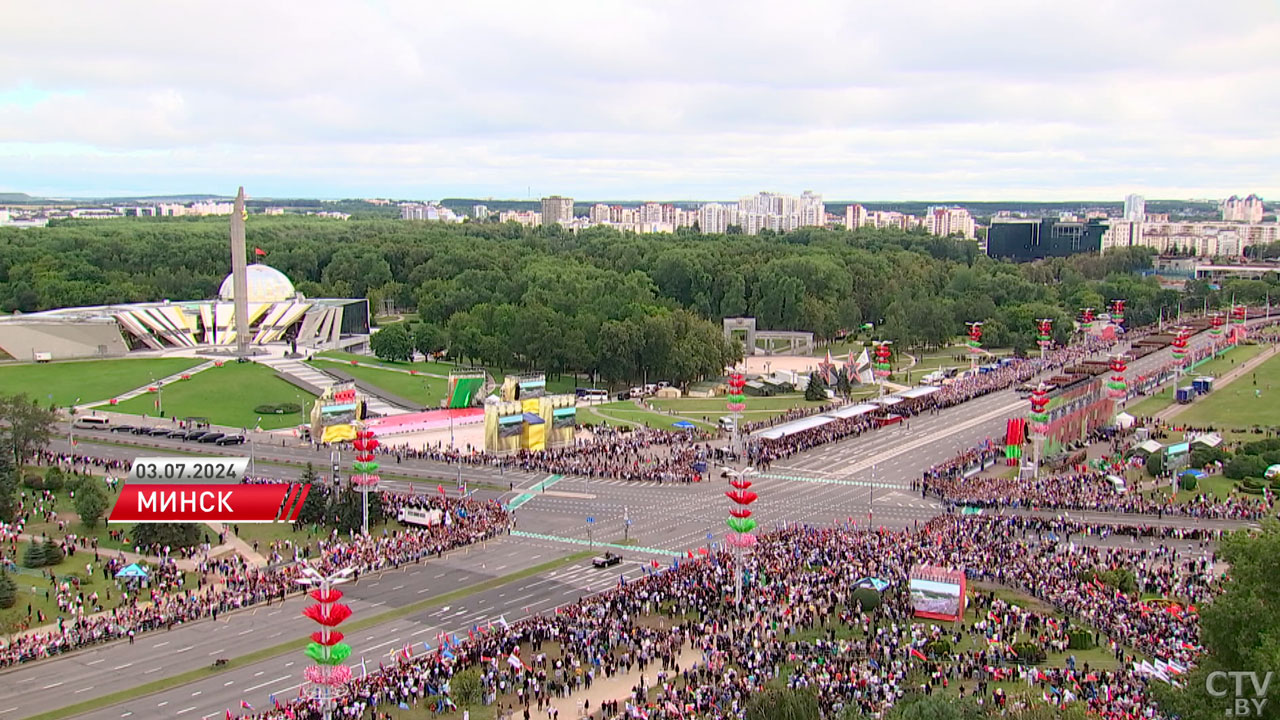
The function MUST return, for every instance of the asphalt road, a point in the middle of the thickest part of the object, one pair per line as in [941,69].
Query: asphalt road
[864,479]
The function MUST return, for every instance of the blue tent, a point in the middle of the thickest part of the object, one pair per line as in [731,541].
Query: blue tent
[683,425]
[133,570]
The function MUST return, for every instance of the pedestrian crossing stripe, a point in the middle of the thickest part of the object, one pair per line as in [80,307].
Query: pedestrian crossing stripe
[523,498]
[831,481]
[580,541]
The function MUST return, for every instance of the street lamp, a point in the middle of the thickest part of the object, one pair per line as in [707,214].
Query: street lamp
[71,435]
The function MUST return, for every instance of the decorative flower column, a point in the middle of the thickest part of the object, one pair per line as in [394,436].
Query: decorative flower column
[883,368]
[1117,388]
[975,341]
[737,403]
[1117,312]
[1216,321]
[1239,313]
[1180,344]
[1086,319]
[364,470]
[1038,422]
[1044,335]
[740,521]
[328,677]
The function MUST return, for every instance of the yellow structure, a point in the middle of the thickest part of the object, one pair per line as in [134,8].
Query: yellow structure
[534,424]
[335,413]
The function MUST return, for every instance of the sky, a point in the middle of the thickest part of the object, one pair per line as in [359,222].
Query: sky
[643,99]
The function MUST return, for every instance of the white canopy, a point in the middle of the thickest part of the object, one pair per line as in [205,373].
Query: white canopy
[1124,420]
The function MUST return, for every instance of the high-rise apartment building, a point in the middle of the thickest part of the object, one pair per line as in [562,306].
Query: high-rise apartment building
[599,213]
[556,210]
[855,216]
[1246,210]
[1135,208]
[947,221]
[780,213]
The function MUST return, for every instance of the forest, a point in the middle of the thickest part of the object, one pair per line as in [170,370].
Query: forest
[599,300]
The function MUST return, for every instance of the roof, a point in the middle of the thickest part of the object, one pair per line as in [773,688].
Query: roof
[1150,446]
[265,284]
[918,392]
[849,411]
[794,427]
[132,570]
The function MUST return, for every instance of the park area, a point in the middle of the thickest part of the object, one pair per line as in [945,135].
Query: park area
[1213,367]
[89,380]
[226,395]
[1244,404]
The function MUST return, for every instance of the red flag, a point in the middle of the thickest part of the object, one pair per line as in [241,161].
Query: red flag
[259,252]
[244,704]
[440,488]
[917,653]
[690,554]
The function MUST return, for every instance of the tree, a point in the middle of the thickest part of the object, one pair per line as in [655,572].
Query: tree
[392,343]
[91,502]
[313,508]
[816,389]
[8,591]
[916,706]
[465,688]
[783,704]
[175,535]
[27,426]
[8,487]
[429,339]
[1239,629]
[843,386]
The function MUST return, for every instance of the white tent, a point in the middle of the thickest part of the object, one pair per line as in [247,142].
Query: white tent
[1212,440]
[1273,471]
[1124,420]
[1150,446]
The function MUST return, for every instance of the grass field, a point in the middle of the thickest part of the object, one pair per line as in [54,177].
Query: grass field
[423,389]
[627,413]
[89,380]
[226,396]
[1214,367]
[562,384]
[1248,401]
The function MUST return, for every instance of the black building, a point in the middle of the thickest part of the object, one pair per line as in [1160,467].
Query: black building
[1023,240]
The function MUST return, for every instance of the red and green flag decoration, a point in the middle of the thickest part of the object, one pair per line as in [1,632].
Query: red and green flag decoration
[1117,312]
[975,337]
[1015,434]
[1086,319]
[1039,415]
[740,520]
[1216,321]
[1117,389]
[1180,344]
[1044,333]
[365,469]
[326,648]
[737,381]
[883,368]
[1238,314]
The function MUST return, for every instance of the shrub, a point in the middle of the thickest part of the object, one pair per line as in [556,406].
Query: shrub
[35,482]
[41,554]
[1187,481]
[8,591]
[1080,640]
[938,648]
[177,535]
[1249,490]
[867,597]
[281,409]
[54,479]
[465,688]
[1253,483]
[1029,653]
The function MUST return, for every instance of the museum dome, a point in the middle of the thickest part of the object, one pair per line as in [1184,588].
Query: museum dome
[265,283]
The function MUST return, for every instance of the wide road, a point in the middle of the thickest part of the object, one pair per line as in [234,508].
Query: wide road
[863,479]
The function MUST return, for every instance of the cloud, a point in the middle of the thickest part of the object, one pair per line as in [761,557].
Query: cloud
[643,100]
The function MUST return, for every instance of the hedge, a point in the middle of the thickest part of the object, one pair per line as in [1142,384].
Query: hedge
[281,409]
[1080,640]
[1029,653]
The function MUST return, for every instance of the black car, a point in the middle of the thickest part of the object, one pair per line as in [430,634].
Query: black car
[177,434]
[211,437]
[231,440]
[160,431]
[194,434]
[122,428]
[142,430]
[607,560]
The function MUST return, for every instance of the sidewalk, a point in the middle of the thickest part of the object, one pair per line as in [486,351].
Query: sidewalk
[233,542]
[619,687]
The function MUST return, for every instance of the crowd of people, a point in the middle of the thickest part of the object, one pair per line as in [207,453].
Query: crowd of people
[229,582]
[713,654]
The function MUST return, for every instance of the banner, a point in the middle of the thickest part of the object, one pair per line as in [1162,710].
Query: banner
[151,503]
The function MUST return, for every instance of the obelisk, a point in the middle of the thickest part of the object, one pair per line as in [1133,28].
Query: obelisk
[239,276]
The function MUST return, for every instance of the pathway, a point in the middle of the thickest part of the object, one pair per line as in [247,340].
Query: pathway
[1226,379]
[311,376]
[145,388]
[619,687]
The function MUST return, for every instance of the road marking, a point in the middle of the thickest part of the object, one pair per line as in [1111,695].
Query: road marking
[282,678]
[398,587]
[215,652]
[260,673]
[182,650]
[423,630]
[148,672]
[185,710]
[166,702]
[121,667]
[198,692]
[95,662]
[83,689]
[54,685]
[228,683]
[375,647]
[423,590]
[124,715]
[246,632]
[166,642]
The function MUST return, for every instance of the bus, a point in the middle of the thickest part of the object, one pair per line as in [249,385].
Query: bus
[421,517]
[92,422]
[593,395]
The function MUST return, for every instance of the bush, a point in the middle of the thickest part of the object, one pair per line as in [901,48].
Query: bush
[1253,483]
[281,409]
[175,535]
[1029,653]
[867,597]
[938,648]
[41,554]
[91,502]
[54,479]
[1249,490]
[465,688]
[1122,580]
[8,591]
[1187,481]
[1242,466]
[1080,640]
[1155,464]
[35,482]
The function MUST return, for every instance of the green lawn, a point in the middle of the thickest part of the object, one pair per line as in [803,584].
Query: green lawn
[435,368]
[226,396]
[1248,401]
[88,380]
[626,413]
[1213,367]
[423,389]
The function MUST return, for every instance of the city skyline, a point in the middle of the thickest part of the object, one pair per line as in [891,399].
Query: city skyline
[603,101]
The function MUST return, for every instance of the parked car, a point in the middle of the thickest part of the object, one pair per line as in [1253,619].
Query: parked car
[195,434]
[142,430]
[177,434]
[231,440]
[122,429]
[211,437]
[607,560]
[160,431]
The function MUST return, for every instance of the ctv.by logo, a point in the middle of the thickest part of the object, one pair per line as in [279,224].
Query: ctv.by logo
[1218,684]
